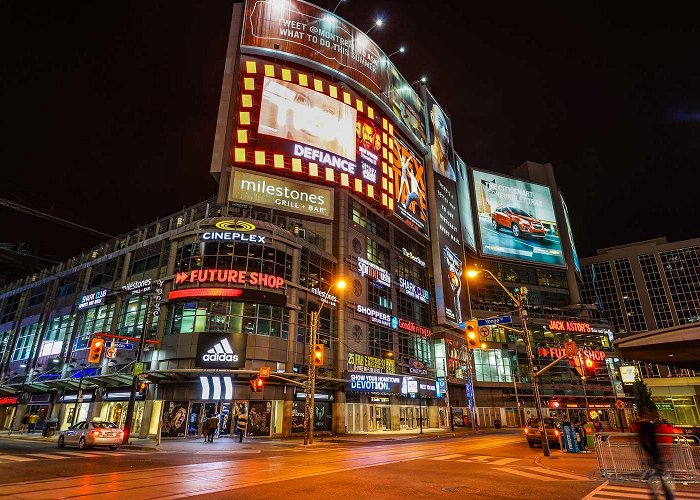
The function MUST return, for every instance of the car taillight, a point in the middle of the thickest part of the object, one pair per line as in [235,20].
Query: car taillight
[525,431]
[556,433]
[96,433]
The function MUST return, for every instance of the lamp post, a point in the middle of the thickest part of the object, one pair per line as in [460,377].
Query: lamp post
[310,402]
[79,396]
[378,22]
[518,300]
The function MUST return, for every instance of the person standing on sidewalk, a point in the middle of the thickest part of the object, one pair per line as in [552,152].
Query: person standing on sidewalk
[212,425]
[242,424]
[31,422]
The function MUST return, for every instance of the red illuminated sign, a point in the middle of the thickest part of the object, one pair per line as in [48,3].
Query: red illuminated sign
[556,352]
[205,292]
[410,326]
[229,276]
[569,326]
[8,400]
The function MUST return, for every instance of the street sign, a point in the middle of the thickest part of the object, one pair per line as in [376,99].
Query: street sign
[499,320]
[570,349]
[138,368]
[119,345]
[620,404]
[484,331]
[665,406]
[111,353]
[264,372]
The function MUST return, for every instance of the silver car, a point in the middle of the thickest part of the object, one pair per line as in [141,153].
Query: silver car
[89,434]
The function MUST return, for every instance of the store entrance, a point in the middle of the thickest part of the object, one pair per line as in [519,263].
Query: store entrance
[200,411]
[379,418]
[409,416]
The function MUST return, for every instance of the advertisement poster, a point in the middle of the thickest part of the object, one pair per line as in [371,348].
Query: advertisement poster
[516,220]
[303,123]
[464,195]
[323,418]
[305,31]
[239,407]
[446,231]
[221,350]
[410,190]
[259,418]
[577,264]
[281,194]
[174,418]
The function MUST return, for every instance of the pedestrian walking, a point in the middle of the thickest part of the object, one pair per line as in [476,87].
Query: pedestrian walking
[242,424]
[648,439]
[212,425]
[23,427]
[205,427]
[31,422]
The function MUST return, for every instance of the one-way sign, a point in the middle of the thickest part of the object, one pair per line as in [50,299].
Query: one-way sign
[499,320]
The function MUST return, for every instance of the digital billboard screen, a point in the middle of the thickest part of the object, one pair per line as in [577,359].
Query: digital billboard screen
[464,196]
[303,30]
[411,200]
[516,220]
[577,264]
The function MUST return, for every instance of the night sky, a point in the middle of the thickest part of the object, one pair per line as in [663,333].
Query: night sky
[108,109]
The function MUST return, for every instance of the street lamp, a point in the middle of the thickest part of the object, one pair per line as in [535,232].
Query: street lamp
[400,49]
[378,22]
[518,300]
[311,367]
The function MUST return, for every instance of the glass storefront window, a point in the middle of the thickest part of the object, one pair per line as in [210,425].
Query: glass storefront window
[494,365]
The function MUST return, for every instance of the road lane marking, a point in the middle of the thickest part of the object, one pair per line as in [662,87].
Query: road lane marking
[46,455]
[16,458]
[504,461]
[225,452]
[447,457]
[77,454]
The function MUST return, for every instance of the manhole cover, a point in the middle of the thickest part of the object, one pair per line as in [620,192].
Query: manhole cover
[460,489]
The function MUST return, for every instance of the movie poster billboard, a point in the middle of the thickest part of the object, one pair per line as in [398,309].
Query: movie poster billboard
[303,30]
[451,296]
[464,195]
[323,418]
[174,418]
[516,220]
[303,123]
[577,264]
[259,418]
[410,191]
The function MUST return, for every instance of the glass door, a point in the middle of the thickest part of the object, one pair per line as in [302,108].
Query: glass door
[194,421]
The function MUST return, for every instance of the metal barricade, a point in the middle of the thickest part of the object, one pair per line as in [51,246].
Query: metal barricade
[621,456]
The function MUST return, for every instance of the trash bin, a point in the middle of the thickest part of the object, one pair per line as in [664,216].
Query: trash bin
[497,423]
[50,428]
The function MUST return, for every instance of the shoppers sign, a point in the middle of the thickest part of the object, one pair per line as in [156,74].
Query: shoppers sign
[372,270]
[413,290]
[369,383]
[229,276]
[364,363]
[92,299]
[283,194]
[221,350]
[377,317]
[569,326]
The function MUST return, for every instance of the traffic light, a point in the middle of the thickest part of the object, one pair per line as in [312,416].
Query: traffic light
[472,334]
[97,345]
[143,388]
[317,356]
[589,367]
[257,384]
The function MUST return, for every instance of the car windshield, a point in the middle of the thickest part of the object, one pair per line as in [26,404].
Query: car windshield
[522,213]
[548,423]
[104,425]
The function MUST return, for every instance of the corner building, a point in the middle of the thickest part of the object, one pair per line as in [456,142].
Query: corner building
[330,165]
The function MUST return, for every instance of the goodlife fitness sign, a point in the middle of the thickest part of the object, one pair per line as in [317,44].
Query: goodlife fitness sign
[229,276]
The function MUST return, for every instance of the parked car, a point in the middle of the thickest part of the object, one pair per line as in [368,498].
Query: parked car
[89,434]
[533,429]
[519,221]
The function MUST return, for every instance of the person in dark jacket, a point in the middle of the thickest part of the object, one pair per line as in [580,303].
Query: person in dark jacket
[648,441]
[242,424]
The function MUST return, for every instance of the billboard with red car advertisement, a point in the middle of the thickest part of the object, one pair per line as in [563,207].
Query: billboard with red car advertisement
[516,220]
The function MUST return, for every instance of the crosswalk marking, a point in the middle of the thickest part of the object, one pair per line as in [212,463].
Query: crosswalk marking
[557,473]
[504,461]
[519,472]
[46,455]
[15,458]
[60,455]
[611,491]
[447,457]
[77,454]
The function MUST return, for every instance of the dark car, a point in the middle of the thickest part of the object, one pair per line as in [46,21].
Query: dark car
[532,431]
[519,221]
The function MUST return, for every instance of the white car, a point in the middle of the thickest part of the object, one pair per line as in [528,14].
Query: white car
[89,434]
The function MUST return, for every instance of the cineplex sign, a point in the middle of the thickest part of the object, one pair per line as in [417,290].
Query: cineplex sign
[235,230]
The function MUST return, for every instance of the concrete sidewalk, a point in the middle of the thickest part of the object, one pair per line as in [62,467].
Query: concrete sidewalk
[231,443]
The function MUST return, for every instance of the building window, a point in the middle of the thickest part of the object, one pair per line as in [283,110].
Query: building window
[368,219]
[682,272]
[599,289]
[10,309]
[630,298]
[415,346]
[379,298]
[378,254]
[494,365]
[381,341]
[323,335]
[56,335]
[655,287]
[24,342]
[97,319]
[412,310]
[316,271]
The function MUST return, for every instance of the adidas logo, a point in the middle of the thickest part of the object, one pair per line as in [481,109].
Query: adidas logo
[221,352]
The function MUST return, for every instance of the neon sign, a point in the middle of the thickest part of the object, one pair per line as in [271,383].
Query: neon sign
[229,276]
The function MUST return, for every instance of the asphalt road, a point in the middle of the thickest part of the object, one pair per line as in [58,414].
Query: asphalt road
[482,466]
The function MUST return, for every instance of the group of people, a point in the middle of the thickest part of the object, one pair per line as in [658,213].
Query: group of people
[29,422]
[210,424]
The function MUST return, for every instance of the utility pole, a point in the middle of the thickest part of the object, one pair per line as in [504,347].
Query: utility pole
[310,405]
[447,393]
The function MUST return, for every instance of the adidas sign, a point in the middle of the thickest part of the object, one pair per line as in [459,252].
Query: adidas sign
[221,352]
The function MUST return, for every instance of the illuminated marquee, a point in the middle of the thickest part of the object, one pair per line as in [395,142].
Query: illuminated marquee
[556,352]
[228,236]
[372,270]
[413,290]
[569,326]
[377,317]
[410,326]
[229,276]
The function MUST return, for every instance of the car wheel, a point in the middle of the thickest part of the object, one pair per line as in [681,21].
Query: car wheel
[61,441]
[516,230]
[82,444]
[495,225]
[532,445]
[114,447]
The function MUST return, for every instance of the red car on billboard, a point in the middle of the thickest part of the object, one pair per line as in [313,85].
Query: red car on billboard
[519,221]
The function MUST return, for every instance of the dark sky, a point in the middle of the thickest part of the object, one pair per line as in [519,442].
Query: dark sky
[108,109]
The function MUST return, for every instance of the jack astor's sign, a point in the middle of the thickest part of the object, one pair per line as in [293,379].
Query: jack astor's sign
[569,326]
[229,276]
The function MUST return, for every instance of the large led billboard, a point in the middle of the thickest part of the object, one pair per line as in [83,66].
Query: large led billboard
[464,196]
[451,296]
[577,264]
[516,220]
[294,123]
[284,28]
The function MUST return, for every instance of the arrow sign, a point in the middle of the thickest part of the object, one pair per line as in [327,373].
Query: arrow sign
[499,320]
